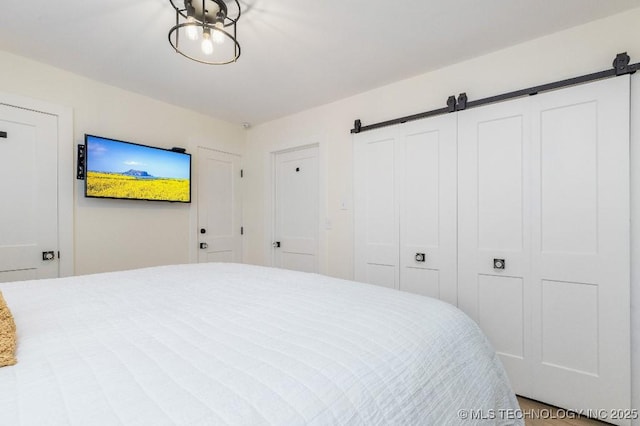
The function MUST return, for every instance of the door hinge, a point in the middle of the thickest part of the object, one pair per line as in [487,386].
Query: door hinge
[241,173]
[242,230]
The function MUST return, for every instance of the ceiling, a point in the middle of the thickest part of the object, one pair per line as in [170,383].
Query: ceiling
[295,54]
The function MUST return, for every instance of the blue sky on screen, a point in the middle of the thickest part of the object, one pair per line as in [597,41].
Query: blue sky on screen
[105,155]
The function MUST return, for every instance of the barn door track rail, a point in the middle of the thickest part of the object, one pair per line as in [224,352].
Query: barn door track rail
[621,66]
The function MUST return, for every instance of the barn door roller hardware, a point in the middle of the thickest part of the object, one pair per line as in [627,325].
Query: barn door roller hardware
[621,66]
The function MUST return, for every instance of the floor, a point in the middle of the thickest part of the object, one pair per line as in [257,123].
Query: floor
[539,414]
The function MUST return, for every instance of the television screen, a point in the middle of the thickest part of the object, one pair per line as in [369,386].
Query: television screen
[117,169]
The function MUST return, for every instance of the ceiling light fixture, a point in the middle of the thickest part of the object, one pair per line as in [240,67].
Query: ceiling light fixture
[201,29]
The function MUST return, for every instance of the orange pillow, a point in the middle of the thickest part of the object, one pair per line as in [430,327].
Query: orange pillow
[7,335]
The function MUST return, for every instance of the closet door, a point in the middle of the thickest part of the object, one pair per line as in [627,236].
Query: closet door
[376,207]
[427,195]
[580,251]
[494,230]
[544,241]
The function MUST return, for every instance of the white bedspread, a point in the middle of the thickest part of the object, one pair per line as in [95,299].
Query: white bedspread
[227,344]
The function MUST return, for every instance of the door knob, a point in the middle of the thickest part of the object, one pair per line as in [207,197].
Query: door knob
[203,231]
[421,257]
[499,264]
[276,244]
[204,246]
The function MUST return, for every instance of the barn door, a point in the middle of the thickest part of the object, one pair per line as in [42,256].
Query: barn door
[580,246]
[494,237]
[405,207]
[544,240]
[427,179]
[376,212]
[29,194]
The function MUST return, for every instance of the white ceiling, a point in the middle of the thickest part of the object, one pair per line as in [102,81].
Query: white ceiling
[296,54]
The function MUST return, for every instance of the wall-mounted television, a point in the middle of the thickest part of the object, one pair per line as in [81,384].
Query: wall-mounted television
[126,170]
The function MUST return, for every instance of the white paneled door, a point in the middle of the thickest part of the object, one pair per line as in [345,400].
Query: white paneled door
[376,212]
[494,222]
[29,193]
[296,202]
[219,206]
[580,246]
[427,177]
[544,240]
[405,207]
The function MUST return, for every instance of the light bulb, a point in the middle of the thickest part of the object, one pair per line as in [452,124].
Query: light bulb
[207,44]
[192,28]
[218,37]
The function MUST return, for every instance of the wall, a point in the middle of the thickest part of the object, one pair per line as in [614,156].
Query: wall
[577,51]
[115,234]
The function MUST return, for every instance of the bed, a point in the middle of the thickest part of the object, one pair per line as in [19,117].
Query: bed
[230,344]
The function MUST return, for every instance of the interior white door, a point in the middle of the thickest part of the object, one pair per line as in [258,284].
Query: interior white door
[376,211]
[580,246]
[494,222]
[428,217]
[219,206]
[29,192]
[296,222]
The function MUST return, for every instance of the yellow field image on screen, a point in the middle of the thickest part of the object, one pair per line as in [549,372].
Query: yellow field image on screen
[112,185]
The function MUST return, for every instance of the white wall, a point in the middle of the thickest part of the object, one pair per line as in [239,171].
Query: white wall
[577,51]
[115,234]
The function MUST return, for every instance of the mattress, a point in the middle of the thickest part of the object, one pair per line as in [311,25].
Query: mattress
[230,344]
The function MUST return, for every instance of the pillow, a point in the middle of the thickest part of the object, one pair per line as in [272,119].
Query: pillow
[7,335]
